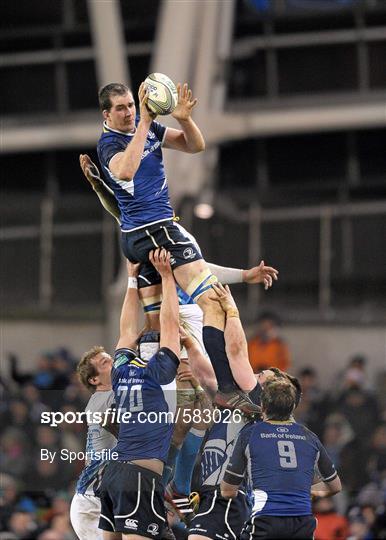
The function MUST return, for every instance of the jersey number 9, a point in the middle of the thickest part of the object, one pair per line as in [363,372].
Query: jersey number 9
[287,454]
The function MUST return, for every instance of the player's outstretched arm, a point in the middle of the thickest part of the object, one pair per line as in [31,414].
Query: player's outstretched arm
[257,274]
[125,164]
[169,314]
[105,194]
[235,340]
[128,325]
[189,139]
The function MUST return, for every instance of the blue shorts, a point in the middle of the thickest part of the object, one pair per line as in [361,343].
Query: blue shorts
[220,518]
[132,500]
[276,527]
[136,246]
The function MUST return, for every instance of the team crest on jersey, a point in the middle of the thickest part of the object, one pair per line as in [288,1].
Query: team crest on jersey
[151,135]
[153,529]
[188,253]
[131,524]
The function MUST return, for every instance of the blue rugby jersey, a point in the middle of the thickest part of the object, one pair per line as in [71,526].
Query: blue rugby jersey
[145,198]
[98,439]
[145,390]
[218,447]
[280,458]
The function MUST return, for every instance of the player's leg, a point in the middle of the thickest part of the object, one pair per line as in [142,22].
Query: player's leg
[84,516]
[110,536]
[186,460]
[195,278]
[150,295]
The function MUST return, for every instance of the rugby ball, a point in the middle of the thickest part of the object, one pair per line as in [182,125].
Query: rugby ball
[163,95]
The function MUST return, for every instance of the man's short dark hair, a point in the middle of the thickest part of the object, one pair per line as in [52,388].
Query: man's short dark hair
[293,380]
[108,91]
[278,399]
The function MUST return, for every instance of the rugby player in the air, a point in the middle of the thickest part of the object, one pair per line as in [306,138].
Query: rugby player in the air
[182,452]
[280,456]
[130,154]
[190,313]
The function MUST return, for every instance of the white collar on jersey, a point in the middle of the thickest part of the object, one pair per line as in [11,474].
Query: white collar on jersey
[117,130]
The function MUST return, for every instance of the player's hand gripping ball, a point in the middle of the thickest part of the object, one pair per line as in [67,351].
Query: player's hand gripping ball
[163,94]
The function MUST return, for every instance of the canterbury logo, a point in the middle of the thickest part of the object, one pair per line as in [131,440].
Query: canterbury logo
[131,524]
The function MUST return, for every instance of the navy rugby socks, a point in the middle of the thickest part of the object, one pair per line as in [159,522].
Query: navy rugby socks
[214,342]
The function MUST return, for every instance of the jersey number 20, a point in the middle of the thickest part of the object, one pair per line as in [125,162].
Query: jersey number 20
[135,398]
[287,454]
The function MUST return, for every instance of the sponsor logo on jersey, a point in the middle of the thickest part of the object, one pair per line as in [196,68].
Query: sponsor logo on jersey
[153,529]
[131,523]
[282,430]
[188,253]
[121,359]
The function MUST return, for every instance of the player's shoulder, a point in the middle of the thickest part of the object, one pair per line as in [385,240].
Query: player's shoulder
[249,428]
[127,357]
[310,435]
[165,353]
[110,137]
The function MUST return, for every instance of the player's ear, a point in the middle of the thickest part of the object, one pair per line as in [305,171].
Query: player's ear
[93,380]
[105,113]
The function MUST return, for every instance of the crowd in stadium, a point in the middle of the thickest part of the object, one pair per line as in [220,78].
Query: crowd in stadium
[349,417]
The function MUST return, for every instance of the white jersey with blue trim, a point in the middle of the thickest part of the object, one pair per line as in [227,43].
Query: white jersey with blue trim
[145,198]
[98,439]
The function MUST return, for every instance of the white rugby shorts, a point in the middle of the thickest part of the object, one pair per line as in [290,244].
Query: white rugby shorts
[84,514]
[191,318]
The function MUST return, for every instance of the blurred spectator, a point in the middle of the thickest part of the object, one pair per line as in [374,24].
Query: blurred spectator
[61,524]
[9,497]
[331,525]
[23,525]
[359,530]
[355,373]
[33,401]
[336,435]
[70,432]
[377,457]
[14,452]
[41,378]
[360,409]
[49,477]
[314,405]
[267,348]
